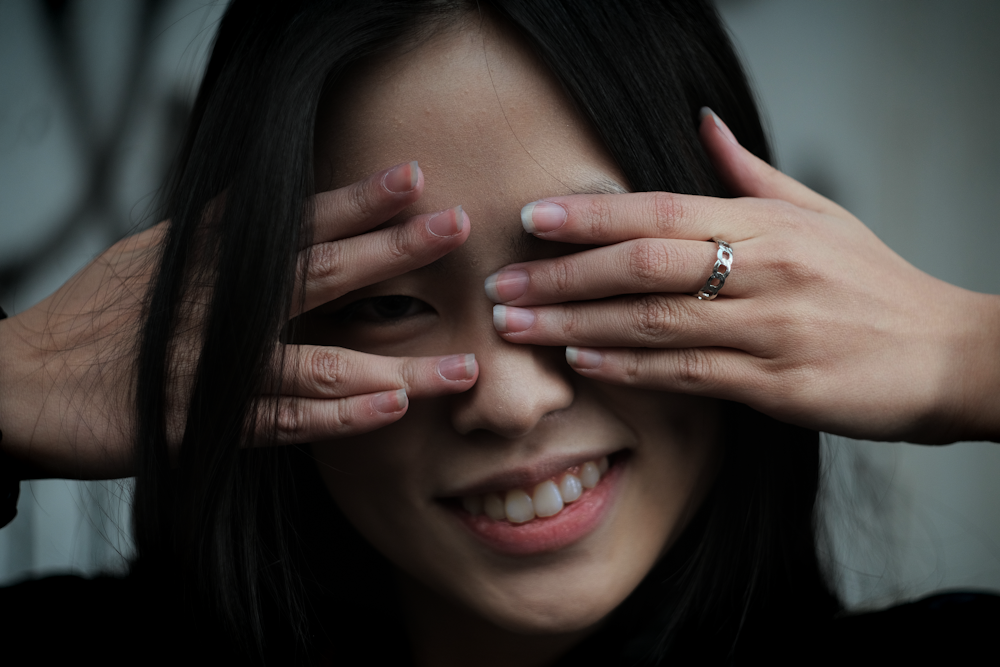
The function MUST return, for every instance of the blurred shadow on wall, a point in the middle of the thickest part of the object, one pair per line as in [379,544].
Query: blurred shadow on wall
[99,133]
[94,99]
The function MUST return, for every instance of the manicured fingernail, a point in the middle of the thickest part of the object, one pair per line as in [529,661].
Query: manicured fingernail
[506,285]
[457,367]
[583,357]
[402,178]
[447,223]
[539,217]
[508,319]
[705,111]
[390,401]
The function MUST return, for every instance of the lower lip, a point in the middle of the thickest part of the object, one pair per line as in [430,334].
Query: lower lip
[541,535]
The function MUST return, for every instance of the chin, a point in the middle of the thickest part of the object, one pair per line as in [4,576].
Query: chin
[550,612]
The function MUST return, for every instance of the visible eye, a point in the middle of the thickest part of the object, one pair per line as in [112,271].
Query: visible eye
[382,309]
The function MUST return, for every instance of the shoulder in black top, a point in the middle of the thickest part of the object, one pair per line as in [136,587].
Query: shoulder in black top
[70,617]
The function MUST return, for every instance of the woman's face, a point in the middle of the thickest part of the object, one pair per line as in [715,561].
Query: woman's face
[493,131]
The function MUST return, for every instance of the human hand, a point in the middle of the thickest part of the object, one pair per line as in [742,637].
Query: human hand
[819,324]
[67,364]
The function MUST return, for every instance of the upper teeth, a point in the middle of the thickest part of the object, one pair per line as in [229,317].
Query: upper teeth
[546,499]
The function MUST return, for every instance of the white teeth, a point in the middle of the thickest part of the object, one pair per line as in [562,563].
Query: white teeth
[570,488]
[493,505]
[519,506]
[473,505]
[546,499]
[590,475]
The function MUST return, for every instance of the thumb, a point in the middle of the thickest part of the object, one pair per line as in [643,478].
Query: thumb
[746,175]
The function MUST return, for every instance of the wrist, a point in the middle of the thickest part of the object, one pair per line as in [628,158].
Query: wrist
[13,444]
[976,386]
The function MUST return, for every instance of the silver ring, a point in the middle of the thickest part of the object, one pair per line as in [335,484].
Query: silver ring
[723,265]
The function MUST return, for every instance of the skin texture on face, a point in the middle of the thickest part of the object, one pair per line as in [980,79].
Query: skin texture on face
[492,131]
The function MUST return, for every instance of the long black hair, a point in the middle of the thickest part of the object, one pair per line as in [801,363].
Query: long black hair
[231,522]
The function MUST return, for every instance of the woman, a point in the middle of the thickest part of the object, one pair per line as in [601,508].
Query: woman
[543,497]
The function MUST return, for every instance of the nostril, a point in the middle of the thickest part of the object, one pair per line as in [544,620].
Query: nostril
[518,385]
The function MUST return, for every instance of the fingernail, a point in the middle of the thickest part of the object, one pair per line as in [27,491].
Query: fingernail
[705,111]
[506,285]
[508,319]
[457,367]
[583,357]
[390,401]
[447,223]
[402,178]
[539,217]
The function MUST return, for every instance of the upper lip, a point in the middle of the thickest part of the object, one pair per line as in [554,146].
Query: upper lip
[525,476]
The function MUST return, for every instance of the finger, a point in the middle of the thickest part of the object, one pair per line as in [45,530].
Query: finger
[360,206]
[290,421]
[747,175]
[315,371]
[607,219]
[648,320]
[701,371]
[631,267]
[335,268]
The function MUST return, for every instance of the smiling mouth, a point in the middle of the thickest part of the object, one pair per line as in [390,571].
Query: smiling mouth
[546,499]
[546,515]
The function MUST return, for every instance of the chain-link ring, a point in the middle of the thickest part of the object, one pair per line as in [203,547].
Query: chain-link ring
[723,265]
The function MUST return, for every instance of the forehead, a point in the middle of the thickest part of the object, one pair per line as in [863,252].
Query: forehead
[489,124]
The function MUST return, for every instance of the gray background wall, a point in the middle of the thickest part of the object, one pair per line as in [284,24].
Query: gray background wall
[886,107]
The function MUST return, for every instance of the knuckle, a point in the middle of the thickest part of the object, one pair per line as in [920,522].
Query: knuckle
[790,262]
[654,317]
[562,275]
[410,374]
[340,417]
[632,366]
[325,262]
[572,321]
[397,242]
[646,260]
[328,370]
[795,269]
[361,198]
[600,217]
[667,213]
[694,369]
[289,419]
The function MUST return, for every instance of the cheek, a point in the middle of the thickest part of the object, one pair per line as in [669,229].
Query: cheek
[372,478]
[381,481]
[677,459]
[673,480]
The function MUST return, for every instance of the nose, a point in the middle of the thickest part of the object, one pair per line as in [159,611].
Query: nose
[518,385]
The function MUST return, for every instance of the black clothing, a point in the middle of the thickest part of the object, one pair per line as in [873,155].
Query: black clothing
[134,618]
